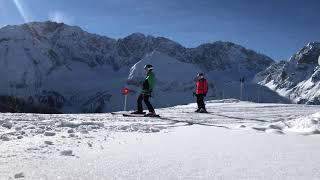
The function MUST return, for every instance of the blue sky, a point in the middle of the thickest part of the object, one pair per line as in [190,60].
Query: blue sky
[277,28]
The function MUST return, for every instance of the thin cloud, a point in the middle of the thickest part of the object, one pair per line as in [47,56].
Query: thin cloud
[60,17]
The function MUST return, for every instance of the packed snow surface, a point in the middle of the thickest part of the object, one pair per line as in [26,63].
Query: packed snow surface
[236,140]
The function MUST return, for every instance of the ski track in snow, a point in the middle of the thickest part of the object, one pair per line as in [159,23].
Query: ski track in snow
[36,137]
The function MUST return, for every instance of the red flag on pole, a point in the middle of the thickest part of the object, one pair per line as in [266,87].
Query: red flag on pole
[125,91]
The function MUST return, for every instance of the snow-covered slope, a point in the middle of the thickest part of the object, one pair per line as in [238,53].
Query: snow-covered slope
[297,79]
[232,142]
[70,70]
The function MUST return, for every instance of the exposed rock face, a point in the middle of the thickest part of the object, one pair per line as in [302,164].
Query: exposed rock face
[297,78]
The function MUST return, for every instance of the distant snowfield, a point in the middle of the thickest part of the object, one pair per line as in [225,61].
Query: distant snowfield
[238,140]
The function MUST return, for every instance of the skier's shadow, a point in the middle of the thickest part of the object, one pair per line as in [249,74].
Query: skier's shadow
[232,117]
[239,118]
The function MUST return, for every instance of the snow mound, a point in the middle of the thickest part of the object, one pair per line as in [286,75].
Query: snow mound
[77,124]
[274,128]
[306,125]
[138,127]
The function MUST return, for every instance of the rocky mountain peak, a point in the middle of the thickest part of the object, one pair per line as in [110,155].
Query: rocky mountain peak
[308,54]
[136,36]
[299,78]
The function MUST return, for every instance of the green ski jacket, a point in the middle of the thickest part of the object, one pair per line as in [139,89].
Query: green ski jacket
[148,84]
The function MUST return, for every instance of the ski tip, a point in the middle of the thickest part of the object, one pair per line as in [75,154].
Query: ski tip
[133,115]
[153,115]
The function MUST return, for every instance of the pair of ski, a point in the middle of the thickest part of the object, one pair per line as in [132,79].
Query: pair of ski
[146,115]
[139,115]
[156,116]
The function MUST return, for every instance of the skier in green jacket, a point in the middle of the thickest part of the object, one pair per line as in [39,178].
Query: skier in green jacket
[147,88]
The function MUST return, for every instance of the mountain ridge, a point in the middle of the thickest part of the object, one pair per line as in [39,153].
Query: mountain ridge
[71,70]
[297,79]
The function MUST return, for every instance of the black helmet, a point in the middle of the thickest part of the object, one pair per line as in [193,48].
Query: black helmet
[200,74]
[148,67]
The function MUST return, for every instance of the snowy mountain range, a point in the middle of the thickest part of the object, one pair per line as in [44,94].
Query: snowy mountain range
[66,69]
[297,79]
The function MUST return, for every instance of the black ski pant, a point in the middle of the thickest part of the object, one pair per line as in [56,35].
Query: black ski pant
[200,101]
[145,98]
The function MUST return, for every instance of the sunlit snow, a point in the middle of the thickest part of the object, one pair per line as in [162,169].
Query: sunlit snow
[237,140]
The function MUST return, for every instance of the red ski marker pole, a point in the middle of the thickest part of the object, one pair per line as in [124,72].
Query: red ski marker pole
[125,92]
